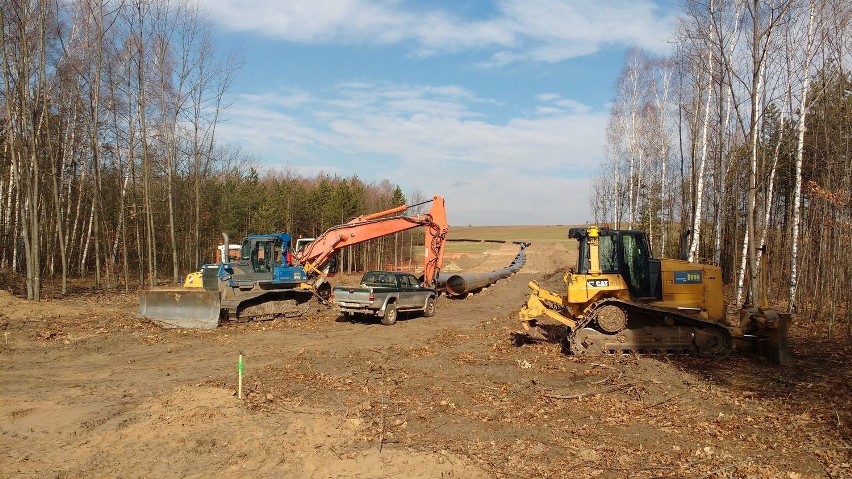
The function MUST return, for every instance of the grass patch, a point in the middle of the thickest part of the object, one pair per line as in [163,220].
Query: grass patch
[470,248]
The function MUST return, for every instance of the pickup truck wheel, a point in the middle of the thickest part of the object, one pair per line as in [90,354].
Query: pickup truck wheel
[390,314]
[429,310]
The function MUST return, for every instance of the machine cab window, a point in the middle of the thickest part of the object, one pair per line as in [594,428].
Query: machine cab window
[635,263]
[263,254]
[608,253]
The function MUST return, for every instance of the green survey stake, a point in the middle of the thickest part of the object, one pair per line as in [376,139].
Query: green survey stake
[240,377]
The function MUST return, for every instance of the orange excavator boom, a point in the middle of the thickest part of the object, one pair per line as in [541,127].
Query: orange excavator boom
[364,228]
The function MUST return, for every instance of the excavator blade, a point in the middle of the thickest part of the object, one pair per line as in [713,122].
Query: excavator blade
[181,308]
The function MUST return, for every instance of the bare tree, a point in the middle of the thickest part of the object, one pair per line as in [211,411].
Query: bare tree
[24,45]
[800,146]
[699,175]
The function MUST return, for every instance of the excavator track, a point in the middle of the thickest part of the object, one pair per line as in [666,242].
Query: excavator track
[288,308]
[264,306]
[646,328]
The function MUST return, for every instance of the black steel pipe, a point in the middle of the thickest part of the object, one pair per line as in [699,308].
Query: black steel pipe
[469,240]
[463,283]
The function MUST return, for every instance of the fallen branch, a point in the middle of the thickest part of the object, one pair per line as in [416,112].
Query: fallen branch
[665,400]
[589,393]
[608,378]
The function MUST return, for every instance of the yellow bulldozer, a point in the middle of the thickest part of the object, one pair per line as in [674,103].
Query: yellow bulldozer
[622,299]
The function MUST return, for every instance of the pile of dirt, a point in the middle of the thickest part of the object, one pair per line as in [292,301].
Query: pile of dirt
[11,304]
[13,282]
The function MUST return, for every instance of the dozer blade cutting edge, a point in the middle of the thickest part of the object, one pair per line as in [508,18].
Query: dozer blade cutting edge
[181,308]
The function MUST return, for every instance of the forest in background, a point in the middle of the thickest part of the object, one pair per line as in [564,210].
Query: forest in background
[743,138]
[111,167]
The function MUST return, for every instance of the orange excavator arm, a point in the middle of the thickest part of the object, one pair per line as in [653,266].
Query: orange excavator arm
[364,228]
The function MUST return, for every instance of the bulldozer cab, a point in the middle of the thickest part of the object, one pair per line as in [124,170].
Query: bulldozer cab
[622,252]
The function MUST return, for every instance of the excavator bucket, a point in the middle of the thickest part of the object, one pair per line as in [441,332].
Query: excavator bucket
[181,308]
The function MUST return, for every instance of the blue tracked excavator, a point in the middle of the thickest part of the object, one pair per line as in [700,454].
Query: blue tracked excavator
[269,276]
[264,267]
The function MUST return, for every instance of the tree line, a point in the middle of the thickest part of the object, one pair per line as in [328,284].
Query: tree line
[741,142]
[110,161]
[306,207]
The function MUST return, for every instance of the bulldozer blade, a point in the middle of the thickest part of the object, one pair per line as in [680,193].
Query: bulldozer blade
[765,333]
[774,344]
[184,308]
[776,347]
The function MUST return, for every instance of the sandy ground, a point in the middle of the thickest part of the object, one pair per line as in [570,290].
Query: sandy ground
[89,390]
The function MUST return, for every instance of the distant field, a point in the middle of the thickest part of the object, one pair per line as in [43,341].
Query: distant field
[531,234]
[465,247]
[558,233]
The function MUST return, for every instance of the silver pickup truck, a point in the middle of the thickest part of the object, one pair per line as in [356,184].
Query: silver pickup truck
[384,294]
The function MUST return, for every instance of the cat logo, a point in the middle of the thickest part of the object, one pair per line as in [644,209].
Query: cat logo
[597,283]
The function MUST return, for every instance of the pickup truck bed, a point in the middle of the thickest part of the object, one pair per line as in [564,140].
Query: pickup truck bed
[384,294]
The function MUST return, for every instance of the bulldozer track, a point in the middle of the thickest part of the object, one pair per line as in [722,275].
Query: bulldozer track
[271,310]
[674,332]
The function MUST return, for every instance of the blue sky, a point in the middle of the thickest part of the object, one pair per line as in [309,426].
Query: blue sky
[499,106]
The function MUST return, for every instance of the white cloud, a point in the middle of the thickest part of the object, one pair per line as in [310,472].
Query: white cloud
[536,30]
[294,99]
[502,197]
[532,169]
[554,104]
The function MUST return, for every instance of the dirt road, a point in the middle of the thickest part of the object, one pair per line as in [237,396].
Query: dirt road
[88,390]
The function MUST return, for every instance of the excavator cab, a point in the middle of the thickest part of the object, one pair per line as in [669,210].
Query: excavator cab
[267,266]
[264,262]
[260,252]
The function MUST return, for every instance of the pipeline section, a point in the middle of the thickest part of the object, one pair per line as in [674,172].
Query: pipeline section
[460,284]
